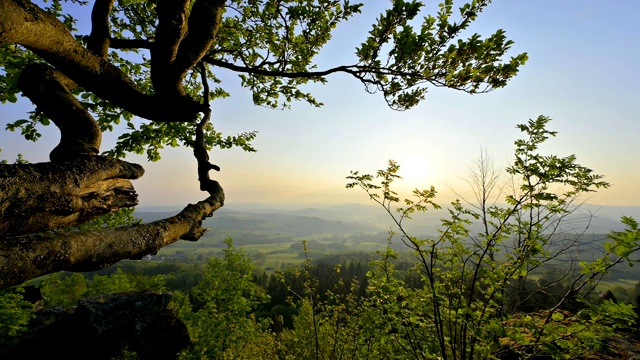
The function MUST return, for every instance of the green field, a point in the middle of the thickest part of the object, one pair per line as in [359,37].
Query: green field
[272,251]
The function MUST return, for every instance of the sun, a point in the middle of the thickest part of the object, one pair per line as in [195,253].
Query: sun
[422,165]
[416,169]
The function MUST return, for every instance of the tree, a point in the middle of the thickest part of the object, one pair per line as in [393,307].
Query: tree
[219,315]
[472,277]
[15,314]
[68,290]
[155,60]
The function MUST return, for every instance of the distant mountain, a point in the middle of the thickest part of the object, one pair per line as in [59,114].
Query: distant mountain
[615,211]
[284,224]
[349,218]
[149,216]
[327,214]
[164,208]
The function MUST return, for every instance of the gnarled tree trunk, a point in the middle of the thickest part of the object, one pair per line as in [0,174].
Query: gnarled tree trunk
[37,198]
[49,196]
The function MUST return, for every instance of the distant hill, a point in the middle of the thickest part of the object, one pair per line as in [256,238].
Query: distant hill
[274,225]
[350,218]
[285,223]
[149,216]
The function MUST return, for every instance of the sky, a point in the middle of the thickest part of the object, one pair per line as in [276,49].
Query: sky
[582,72]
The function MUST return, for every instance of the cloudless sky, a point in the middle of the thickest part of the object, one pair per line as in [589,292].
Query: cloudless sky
[582,72]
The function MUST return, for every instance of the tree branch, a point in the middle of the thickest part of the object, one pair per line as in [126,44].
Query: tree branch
[26,257]
[178,48]
[172,27]
[204,23]
[199,147]
[48,196]
[26,24]
[115,43]
[365,74]
[80,133]
[98,41]
[285,74]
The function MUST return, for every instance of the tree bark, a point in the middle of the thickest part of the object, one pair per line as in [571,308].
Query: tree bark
[180,45]
[48,196]
[29,256]
[98,41]
[79,131]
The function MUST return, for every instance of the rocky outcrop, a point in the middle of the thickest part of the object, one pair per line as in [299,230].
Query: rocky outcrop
[102,327]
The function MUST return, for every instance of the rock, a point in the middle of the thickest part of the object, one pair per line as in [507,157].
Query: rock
[102,327]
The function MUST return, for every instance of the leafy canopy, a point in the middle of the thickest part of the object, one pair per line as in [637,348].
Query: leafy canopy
[271,45]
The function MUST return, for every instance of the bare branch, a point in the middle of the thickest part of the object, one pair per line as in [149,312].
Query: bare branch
[199,148]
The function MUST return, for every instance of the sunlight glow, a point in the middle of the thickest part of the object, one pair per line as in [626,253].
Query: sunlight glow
[415,168]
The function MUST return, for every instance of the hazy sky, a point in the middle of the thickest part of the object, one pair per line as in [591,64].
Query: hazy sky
[582,71]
